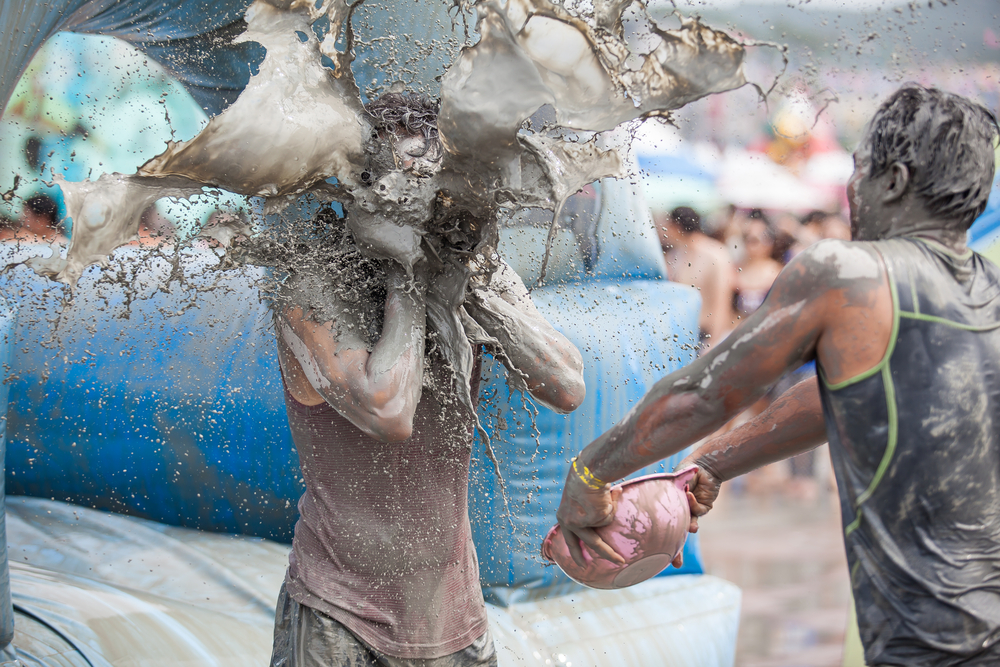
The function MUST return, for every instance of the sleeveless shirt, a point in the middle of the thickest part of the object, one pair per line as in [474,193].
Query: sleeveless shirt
[383,542]
[915,444]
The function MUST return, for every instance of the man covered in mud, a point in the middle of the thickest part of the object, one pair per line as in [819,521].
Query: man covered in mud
[383,570]
[904,324]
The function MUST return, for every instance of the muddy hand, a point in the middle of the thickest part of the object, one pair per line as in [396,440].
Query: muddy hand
[702,492]
[583,509]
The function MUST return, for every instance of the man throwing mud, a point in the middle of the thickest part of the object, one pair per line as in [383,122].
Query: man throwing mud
[383,570]
[904,324]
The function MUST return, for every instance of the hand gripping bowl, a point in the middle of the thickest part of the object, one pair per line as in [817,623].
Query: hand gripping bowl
[649,528]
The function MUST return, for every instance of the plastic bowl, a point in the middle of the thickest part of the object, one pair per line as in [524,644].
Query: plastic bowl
[649,528]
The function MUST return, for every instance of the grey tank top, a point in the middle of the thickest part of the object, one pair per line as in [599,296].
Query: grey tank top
[383,542]
[915,444]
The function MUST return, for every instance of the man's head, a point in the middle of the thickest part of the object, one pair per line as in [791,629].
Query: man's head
[924,151]
[405,134]
[40,215]
[675,225]
[758,236]
[686,219]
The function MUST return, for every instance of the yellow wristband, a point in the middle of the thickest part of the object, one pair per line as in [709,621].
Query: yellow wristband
[587,477]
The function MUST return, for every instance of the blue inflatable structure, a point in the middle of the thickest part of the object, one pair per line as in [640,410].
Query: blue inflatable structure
[168,405]
[153,389]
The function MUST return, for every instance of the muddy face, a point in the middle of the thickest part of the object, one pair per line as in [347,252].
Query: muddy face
[863,198]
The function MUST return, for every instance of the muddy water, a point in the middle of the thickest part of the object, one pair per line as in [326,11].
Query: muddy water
[300,123]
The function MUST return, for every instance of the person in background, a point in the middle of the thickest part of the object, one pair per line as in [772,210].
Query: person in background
[811,229]
[38,222]
[759,269]
[835,227]
[154,228]
[699,261]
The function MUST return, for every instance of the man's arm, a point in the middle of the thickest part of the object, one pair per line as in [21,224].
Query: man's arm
[378,391]
[549,364]
[824,300]
[791,425]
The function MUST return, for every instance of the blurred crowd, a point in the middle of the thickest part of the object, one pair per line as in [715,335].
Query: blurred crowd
[732,258]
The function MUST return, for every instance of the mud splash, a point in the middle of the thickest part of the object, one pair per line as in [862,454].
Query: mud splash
[301,123]
[296,124]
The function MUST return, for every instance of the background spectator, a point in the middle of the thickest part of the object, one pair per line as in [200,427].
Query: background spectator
[759,268]
[702,262]
[37,223]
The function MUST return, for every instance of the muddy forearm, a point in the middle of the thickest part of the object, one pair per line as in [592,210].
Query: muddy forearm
[403,327]
[379,392]
[393,372]
[663,423]
[792,424]
[549,364]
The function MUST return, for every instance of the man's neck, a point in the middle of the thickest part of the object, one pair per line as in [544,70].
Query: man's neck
[916,221]
[951,240]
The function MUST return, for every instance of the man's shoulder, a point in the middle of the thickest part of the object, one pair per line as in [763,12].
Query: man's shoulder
[834,263]
[713,250]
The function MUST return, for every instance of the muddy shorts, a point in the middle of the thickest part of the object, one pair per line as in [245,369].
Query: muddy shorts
[304,637]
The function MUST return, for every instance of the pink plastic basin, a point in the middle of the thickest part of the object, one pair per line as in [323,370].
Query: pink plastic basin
[649,529]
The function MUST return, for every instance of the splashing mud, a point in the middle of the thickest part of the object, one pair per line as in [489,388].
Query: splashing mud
[296,124]
[300,124]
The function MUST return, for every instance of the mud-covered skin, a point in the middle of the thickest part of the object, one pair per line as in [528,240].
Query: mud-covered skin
[903,327]
[550,366]
[791,425]
[832,303]
[377,391]
[813,311]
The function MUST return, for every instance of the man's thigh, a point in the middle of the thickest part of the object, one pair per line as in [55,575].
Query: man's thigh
[304,637]
[479,653]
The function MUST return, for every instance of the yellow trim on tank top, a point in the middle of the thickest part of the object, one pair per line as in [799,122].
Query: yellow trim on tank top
[892,338]
[888,386]
[888,389]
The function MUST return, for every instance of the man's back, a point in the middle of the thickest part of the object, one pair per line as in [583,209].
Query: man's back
[917,455]
[703,263]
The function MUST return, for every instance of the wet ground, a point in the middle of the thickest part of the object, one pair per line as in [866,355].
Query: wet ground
[778,538]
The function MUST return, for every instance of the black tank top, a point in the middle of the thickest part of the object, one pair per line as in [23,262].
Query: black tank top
[915,448]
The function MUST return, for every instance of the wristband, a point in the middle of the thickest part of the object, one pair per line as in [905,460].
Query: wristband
[587,477]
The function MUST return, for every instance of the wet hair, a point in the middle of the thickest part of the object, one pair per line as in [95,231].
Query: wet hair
[946,142]
[758,215]
[398,114]
[686,218]
[44,206]
[409,113]
[816,217]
